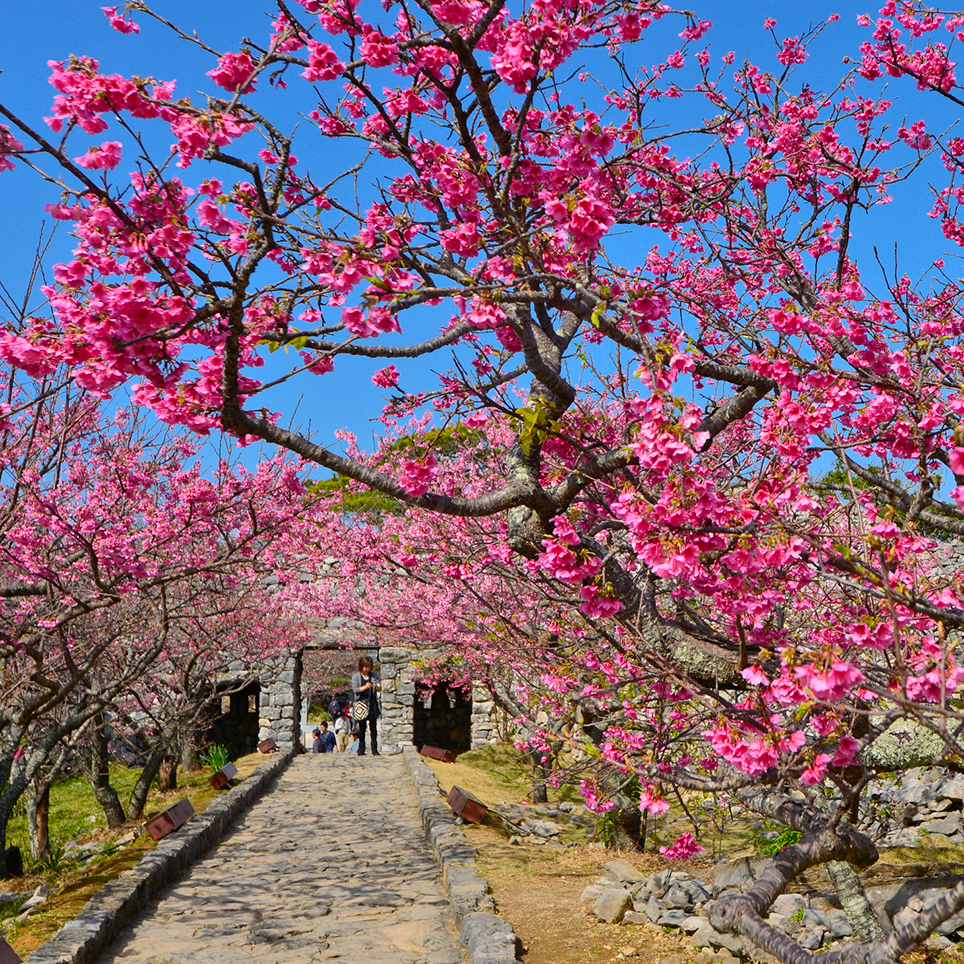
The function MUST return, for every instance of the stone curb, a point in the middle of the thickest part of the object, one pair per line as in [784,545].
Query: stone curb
[488,938]
[109,911]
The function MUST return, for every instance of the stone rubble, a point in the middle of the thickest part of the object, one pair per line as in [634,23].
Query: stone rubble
[546,821]
[676,901]
[924,802]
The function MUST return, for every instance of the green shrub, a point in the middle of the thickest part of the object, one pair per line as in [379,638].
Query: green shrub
[215,756]
[771,838]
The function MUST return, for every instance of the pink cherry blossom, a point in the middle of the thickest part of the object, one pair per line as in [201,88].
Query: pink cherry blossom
[386,377]
[105,157]
[123,24]
[235,72]
[682,848]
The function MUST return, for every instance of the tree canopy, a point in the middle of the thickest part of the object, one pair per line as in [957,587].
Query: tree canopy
[657,298]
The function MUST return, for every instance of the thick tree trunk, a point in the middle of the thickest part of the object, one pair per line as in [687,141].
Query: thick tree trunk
[109,802]
[38,821]
[167,774]
[853,899]
[138,798]
[98,776]
[824,842]
[539,793]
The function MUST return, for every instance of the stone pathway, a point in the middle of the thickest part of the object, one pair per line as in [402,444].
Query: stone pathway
[329,865]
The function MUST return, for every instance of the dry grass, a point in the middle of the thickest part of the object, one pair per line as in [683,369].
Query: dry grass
[537,889]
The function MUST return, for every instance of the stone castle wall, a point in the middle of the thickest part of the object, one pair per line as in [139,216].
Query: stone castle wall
[400,673]
[279,706]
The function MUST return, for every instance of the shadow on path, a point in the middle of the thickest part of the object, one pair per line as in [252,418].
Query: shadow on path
[330,864]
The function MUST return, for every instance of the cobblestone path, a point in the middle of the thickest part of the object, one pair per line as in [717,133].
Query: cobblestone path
[329,865]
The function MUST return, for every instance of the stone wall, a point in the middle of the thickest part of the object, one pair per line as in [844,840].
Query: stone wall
[924,801]
[236,726]
[455,721]
[396,727]
[485,719]
[279,708]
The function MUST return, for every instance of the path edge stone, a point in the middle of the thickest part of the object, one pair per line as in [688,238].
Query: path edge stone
[112,908]
[487,938]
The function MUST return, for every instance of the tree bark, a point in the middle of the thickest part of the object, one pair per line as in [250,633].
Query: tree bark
[138,798]
[104,793]
[854,901]
[38,821]
[539,792]
[824,842]
[106,796]
[98,776]
[167,774]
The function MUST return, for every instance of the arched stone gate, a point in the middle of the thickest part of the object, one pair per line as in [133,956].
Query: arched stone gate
[451,719]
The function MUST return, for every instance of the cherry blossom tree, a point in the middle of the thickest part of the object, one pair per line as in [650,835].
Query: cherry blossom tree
[657,328]
[114,541]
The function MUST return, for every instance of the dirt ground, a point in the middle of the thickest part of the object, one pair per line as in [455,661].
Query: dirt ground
[537,890]
[538,893]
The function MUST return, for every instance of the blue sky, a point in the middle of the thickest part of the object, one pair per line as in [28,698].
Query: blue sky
[347,398]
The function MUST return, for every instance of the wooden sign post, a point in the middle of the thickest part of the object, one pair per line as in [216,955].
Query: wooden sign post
[7,954]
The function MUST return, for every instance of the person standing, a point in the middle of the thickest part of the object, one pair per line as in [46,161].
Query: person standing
[365,685]
[318,745]
[343,730]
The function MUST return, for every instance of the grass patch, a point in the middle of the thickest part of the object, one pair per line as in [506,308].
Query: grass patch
[74,812]
[11,908]
[76,815]
[495,774]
